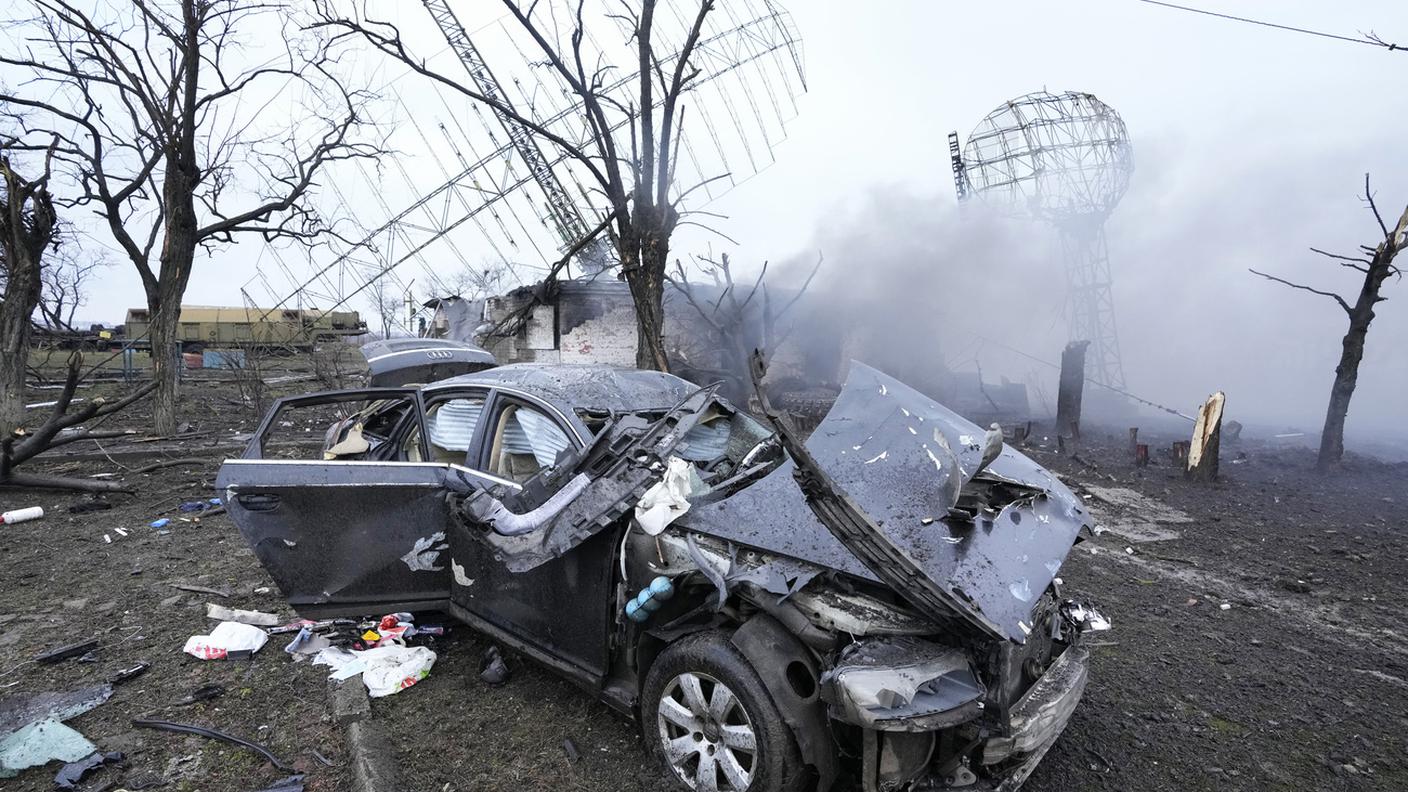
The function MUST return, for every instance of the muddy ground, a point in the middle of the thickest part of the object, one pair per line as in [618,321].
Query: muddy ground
[1298,684]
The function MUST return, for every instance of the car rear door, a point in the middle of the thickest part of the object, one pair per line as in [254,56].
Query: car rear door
[340,500]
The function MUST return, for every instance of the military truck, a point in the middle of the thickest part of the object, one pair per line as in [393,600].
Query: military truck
[202,326]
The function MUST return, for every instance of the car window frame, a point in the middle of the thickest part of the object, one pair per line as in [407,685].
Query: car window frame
[431,398]
[255,447]
[503,398]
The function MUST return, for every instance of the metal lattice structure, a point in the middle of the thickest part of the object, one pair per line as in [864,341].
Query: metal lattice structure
[1066,159]
[506,203]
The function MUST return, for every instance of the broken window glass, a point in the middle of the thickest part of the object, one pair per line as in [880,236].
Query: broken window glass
[525,441]
[451,426]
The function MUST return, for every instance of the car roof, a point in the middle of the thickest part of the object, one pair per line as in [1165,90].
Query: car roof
[582,386]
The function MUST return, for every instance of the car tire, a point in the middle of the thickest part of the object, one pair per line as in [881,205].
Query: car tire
[729,705]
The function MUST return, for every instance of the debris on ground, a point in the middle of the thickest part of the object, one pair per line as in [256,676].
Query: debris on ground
[65,652]
[201,590]
[492,668]
[228,641]
[130,673]
[256,618]
[190,507]
[201,731]
[39,743]
[202,693]
[293,783]
[85,507]
[71,774]
[385,669]
[21,515]
[162,523]
[570,748]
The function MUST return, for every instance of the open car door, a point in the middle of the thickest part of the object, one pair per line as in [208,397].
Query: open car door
[336,501]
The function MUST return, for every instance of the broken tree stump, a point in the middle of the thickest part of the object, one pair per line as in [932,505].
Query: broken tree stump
[1180,450]
[1207,439]
[1070,390]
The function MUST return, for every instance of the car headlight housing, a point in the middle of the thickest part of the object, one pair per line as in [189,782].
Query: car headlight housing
[902,684]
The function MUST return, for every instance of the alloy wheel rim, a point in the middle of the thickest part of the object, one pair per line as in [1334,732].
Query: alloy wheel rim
[706,735]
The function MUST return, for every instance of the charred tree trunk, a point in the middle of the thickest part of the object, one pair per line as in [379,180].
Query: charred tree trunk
[27,229]
[1376,269]
[1347,372]
[1070,390]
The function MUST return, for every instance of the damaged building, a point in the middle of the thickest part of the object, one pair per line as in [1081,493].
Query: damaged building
[593,321]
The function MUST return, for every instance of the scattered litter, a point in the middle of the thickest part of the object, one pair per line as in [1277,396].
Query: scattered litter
[570,748]
[385,669]
[65,652]
[88,657]
[492,668]
[1225,606]
[228,641]
[315,626]
[89,506]
[120,531]
[202,693]
[1129,551]
[261,589]
[128,674]
[162,523]
[201,590]
[21,515]
[72,773]
[307,643]
[201,731]
[256,618]
[190,507]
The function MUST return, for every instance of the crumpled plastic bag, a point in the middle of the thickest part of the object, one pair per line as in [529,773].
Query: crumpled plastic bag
[227,637]
[385,669]
[668,500]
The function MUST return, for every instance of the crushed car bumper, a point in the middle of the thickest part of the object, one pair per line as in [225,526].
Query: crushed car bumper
[896,755]
[1039,717]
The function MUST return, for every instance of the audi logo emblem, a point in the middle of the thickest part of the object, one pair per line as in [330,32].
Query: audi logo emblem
[439,354]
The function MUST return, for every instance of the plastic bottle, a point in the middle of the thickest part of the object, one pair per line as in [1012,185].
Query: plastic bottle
[21,515]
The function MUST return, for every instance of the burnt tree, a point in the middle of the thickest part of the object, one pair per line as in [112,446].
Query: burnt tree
[741,321]
[629,150]
[157,108]
[28,227]
[1375,264]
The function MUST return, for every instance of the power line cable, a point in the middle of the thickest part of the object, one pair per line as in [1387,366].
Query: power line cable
[1370,39]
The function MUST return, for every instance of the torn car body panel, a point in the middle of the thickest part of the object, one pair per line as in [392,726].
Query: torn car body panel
[583,492]
[902,462]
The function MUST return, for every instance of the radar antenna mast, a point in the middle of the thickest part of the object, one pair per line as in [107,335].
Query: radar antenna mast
[562,210]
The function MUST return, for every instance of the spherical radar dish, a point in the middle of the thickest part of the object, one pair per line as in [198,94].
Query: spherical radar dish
[1059,157]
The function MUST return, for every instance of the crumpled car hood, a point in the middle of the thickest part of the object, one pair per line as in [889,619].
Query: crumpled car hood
[903,458]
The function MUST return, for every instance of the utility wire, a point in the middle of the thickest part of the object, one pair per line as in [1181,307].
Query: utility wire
[1371,39]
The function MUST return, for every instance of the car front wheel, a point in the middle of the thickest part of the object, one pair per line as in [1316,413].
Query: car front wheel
[706,714]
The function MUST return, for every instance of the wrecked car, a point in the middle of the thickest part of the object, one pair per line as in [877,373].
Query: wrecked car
[877,606]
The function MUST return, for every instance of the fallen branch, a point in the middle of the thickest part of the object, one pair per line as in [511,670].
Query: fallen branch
[166,463]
